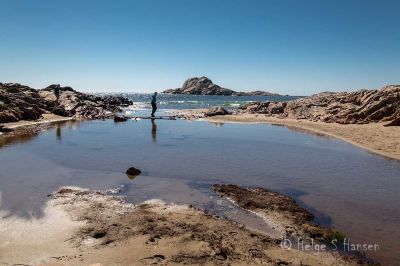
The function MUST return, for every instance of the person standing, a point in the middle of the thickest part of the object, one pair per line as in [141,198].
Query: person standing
[153,104]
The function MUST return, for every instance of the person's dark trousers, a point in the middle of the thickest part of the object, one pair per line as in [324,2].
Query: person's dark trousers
[154,109]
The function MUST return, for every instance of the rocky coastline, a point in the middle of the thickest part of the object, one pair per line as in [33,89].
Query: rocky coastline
[360,107]
[19,102]
[204,86]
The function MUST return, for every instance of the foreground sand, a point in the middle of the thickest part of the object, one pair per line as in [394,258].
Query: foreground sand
[82,227]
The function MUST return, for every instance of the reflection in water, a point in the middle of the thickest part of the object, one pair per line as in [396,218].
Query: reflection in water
[217,124]
[303,130]
[131,177]
[24,135]
[58,132]
[153,130]
[8,140]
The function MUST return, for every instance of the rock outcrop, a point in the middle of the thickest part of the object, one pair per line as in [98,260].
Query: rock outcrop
[360,107]
[204,86]
[19,102]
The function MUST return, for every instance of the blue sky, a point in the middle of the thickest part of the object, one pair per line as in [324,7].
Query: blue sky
[291,47]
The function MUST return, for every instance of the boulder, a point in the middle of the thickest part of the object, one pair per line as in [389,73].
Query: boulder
[216,111]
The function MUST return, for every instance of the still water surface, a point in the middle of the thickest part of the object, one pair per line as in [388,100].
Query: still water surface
[344,186]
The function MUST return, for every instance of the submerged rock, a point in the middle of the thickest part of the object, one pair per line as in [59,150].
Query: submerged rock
[132,171]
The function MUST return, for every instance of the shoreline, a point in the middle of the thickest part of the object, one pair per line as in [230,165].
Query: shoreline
[363,136]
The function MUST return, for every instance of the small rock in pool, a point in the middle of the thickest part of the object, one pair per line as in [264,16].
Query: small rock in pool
[120,119]
[132,171]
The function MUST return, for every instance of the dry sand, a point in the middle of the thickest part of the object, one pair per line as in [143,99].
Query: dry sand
[83,227]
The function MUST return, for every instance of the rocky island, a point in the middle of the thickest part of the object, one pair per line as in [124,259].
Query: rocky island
[204,86]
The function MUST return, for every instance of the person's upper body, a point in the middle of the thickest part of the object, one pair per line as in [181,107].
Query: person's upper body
[154,98]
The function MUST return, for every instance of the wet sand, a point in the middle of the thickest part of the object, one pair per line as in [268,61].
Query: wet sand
[84,227]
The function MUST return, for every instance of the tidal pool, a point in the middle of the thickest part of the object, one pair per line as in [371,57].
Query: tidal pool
[345,187]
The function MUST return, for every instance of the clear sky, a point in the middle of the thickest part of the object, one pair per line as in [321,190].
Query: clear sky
[290,47]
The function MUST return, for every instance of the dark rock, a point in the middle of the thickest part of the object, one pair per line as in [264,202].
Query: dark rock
[132,171]
[120,119]
[58,110]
